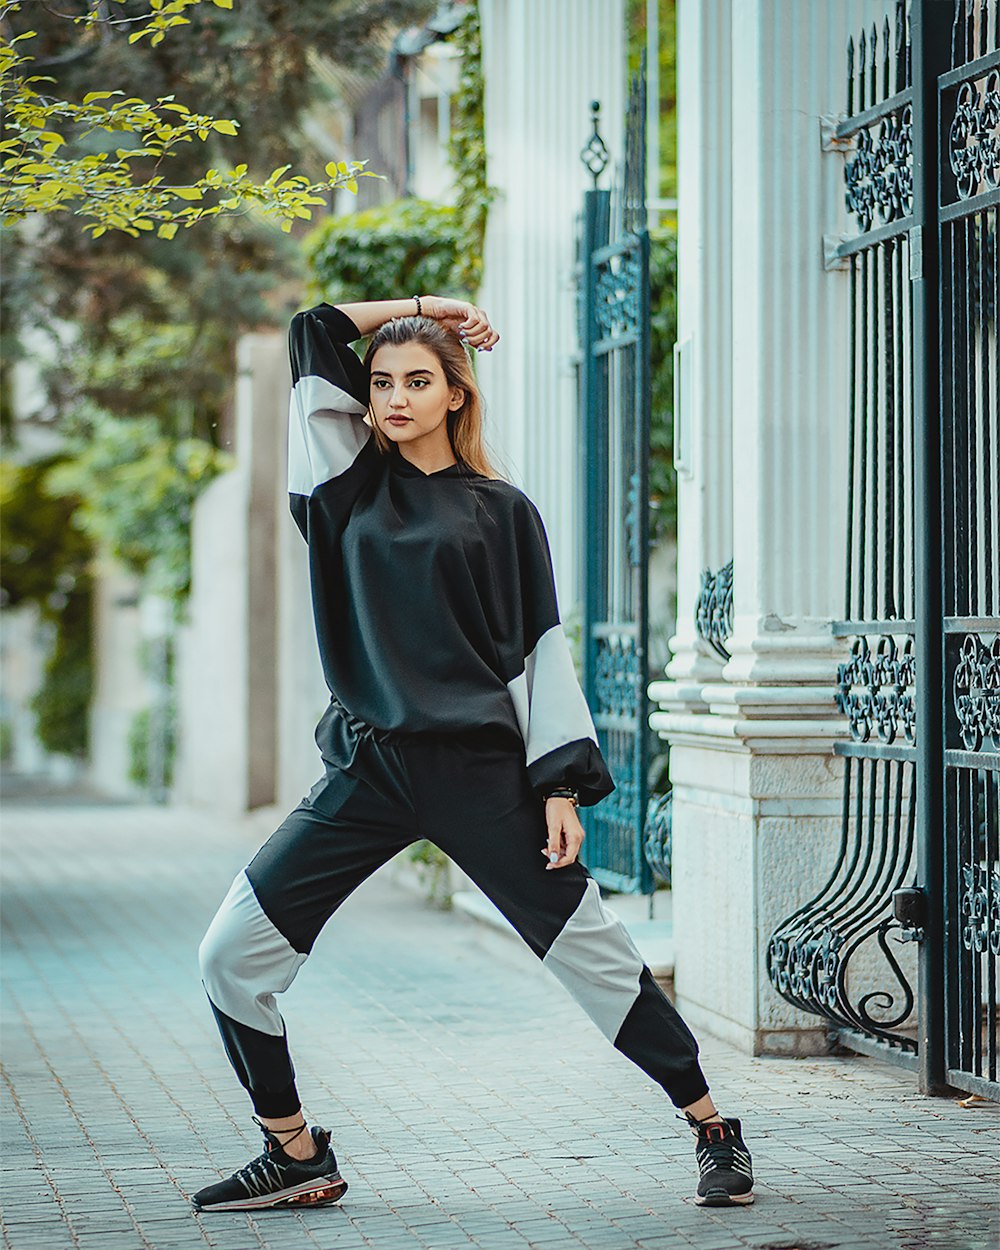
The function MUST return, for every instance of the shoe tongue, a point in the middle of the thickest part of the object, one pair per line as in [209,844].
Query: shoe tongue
[716,1132]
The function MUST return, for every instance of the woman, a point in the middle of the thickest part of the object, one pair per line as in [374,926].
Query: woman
[455,715]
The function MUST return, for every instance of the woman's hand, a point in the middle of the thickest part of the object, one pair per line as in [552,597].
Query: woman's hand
[565,833]
[470,323]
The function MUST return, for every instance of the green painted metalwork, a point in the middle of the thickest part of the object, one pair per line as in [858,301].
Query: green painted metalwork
[614,489]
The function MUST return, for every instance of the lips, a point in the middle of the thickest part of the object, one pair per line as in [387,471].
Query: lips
[398,420]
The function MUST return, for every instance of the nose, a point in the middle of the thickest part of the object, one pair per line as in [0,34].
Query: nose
[398,398]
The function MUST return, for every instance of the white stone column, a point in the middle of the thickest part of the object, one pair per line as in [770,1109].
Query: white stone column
[120,685]
[227,663]
[543,64]
[757,789]
[703,377]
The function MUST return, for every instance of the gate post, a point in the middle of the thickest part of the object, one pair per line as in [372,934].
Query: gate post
[594,233]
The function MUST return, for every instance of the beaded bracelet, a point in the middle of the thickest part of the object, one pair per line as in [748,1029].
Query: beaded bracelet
[420,311]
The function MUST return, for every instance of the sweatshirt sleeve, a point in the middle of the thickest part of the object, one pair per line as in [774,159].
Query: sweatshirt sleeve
[556,724]
[327,433]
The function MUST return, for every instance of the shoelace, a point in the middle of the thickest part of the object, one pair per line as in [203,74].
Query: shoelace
[723,1155]
[716,1154]
[260,1175]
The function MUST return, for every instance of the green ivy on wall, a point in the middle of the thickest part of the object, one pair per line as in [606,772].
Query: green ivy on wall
[663,333]
[385,252]
[467,153]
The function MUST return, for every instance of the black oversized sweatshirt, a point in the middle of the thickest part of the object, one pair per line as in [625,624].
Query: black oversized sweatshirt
[433,593]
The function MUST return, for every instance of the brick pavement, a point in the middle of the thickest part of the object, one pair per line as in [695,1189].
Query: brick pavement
[472,1103]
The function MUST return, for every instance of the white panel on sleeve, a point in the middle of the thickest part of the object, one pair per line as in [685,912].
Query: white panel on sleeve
[325,433]
[549,703]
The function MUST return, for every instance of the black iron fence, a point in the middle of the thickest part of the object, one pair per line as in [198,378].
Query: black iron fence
[919,861]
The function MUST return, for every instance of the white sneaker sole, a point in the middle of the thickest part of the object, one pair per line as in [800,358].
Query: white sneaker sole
[720,1198]
[321,1192]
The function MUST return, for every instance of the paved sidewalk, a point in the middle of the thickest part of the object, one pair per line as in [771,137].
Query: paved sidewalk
[472,1103]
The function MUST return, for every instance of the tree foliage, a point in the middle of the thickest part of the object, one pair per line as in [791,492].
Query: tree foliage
[48,163]
[137,489]
[44,561]
[260,64]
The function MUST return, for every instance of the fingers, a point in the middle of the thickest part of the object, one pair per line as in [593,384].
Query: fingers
[565,835]
[476,331]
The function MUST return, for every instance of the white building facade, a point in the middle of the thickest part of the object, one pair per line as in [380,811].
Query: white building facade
[762,480]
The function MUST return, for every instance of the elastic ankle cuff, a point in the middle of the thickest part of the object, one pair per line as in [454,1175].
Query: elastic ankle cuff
[691,1091]
[275,1104]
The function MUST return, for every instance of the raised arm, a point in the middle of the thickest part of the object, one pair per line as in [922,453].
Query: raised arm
[470,323]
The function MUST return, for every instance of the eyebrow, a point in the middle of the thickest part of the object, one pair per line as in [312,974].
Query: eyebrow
[382,373]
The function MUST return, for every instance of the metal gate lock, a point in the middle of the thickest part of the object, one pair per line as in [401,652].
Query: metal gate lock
[909,906]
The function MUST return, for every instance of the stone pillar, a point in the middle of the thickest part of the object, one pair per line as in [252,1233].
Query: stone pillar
[757,789]
[703,354]
[120,684]
[227,650]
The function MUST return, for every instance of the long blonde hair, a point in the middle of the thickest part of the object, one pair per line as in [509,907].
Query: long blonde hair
[465,424]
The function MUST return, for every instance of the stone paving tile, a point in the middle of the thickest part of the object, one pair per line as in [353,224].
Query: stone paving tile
[472,1103]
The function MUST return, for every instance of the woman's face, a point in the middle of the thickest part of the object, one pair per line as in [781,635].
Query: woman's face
[410,396]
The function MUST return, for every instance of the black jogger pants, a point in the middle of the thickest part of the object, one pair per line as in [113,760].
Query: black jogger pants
[470,796]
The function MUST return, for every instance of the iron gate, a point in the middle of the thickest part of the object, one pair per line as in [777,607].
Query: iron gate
[919,859]
[614,490]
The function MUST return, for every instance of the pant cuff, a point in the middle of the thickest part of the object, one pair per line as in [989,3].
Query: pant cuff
[273,1104]
[684,1093]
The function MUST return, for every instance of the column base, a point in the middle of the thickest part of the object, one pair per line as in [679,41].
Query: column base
[806,1043]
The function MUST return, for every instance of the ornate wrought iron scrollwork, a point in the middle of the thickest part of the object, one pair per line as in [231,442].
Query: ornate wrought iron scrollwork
[657,845]
[811,954]
[617,676]
[877,692]
[878,179]
[714,609]
[974,136]
[617,294]
[980,909]
[616,814]
[976,692]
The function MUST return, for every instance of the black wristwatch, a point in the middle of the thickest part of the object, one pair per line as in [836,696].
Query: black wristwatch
[565,792]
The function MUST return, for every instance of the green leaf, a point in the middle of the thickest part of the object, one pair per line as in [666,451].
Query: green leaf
[167,230]
[188,193]
[224,127]
[98,95]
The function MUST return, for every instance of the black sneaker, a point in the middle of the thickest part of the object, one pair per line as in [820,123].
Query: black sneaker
[275,1179]
[724,1166]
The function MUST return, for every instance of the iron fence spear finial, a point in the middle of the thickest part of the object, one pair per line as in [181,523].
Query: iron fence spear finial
[595,154]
